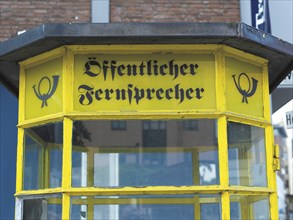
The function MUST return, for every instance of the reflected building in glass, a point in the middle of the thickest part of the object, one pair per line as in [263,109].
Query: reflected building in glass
[145,153]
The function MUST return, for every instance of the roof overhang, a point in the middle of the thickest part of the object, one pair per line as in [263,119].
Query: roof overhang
[237,35]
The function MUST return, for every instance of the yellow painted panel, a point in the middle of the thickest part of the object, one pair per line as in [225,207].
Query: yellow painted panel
[244,88]
[144,82]
[43,89]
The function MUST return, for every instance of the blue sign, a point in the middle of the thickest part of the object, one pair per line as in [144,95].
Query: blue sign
[260,15]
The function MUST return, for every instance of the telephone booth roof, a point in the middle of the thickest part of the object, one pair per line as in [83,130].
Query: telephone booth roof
[237,35]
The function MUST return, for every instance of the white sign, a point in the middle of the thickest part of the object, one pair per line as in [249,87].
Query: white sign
[289,119]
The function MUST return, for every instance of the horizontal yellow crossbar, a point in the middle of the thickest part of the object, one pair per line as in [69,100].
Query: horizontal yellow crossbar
[152,190]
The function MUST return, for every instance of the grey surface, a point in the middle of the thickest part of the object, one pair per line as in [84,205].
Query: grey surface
[237,35]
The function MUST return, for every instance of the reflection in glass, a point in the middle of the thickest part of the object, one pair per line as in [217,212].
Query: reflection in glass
[247,160]
[147,153]
[43,156]
[45,208]
[249,207]
[167,207]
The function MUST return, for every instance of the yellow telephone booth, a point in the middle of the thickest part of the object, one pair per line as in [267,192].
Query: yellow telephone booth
[148,122]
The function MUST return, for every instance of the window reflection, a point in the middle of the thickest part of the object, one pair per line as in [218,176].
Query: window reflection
[43,156]
[167,207]
[249,207]
[118,125]
[45,208]
[247,160]
[148,153]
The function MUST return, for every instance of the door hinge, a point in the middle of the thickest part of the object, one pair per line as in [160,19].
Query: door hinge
[276,158]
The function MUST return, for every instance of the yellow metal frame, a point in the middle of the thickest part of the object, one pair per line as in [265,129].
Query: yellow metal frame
[68,115]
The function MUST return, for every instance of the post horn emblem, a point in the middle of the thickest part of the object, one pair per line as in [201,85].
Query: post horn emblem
[245,92]
[50,90]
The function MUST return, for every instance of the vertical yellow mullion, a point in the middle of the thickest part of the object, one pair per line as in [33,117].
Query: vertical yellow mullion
[20,160]
[224,166]
[67,152]
[90,208]
[66,166]
[222,121]
[90,168]
[222,132]
[68,62]
[197,214]
[20,135]
[220,80]
[46,167]
[266,97]
[244,208]
[225,205]
[67,131]
[271,174]
[223,152]
[65,206]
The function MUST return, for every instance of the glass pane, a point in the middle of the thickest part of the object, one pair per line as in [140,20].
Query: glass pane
[167,207]
[247,156]
[43,156]
[147,153]
[249,207]
[44,208]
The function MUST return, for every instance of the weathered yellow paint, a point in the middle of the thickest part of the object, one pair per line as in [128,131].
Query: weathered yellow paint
[273,201]
[65,206]
[225,205]
[149,190]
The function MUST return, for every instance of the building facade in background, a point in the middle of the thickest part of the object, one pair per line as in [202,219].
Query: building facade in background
[280,137]
[17,16]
